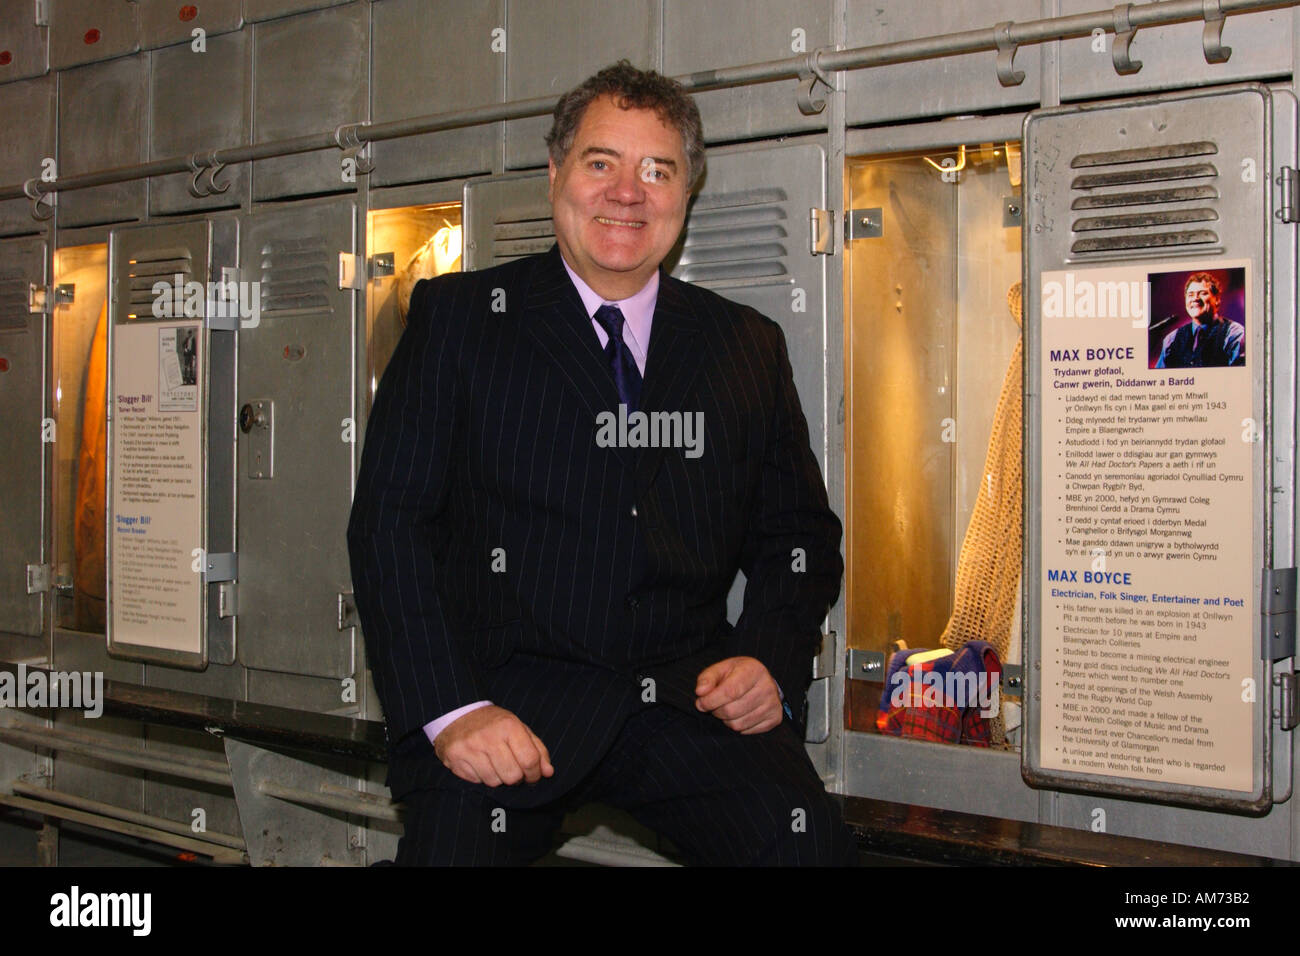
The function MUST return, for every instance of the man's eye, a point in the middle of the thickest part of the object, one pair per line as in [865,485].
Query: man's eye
[597,164]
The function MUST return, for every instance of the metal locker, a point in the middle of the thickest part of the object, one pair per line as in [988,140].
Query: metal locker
[179,79]
[102,112]
[294,471]
[506,217]
[941,86]
[23,282]
[164,22]
[410,79]
[255,10]
[21,157]
[756,32]
[590,37]
[87,31]
[24,44]
[310,75]
[178,253]
[1152,193]
[1174,56]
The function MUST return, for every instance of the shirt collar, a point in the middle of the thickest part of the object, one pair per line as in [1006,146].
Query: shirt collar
[638,309]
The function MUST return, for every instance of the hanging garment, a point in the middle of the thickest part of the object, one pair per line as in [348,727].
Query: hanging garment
[942,696]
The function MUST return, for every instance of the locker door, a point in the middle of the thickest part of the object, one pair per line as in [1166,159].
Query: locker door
[310,74]
[102,111]
[1170,464]
[21,156]
[24,46]
[506,217]
[22,448]
[294,471]
[164,22]
[87,31]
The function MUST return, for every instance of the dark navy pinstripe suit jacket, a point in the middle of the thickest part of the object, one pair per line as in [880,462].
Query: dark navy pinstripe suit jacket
[617,561]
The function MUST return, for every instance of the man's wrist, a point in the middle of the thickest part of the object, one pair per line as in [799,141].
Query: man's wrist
[434,727]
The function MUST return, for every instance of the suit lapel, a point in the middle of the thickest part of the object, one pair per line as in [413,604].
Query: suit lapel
[674,360]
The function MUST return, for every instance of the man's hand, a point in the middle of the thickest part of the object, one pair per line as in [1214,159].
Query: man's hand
[492,746]
[741,693]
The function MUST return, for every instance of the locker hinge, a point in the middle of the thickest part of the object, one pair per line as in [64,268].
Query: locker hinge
[1287,211]
[824,664]
[821,232]
[42,13]
[38,299]
[347,611]
[1285,709]
[864,224]
[1277,605]
[352,271]
[221,566]
[38,578]
[227,599]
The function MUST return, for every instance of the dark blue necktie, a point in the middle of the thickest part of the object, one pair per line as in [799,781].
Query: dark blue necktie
[627,377]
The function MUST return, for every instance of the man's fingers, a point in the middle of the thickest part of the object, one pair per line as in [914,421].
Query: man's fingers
[547,769]
[735,686]
[465,770]
[525,754]
[504,763]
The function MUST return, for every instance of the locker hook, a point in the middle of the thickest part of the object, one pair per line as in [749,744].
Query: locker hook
[206,168]
[1007,76]
[42,203]
[812,74]
[1125,65]
[1212,35]
[346,138]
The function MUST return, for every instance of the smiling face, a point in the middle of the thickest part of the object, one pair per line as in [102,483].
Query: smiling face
[1201,302]
[619,198]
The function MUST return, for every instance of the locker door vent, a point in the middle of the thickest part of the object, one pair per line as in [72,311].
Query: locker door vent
[295,276]
[148,267]
[514,237]
[1179,191]
[742,235]
[14,315]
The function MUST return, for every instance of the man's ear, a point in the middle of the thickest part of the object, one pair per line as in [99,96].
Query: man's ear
[551,172]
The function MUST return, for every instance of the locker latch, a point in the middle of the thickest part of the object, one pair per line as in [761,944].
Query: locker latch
[347,611]
[42,13]
[38,299]
[383,265]
[65,294]
[221,566]
[38,578]
[352,271]
[1288,210]
[864,224]
[821,232]
[824,664]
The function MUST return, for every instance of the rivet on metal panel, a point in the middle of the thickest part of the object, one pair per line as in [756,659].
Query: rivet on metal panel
[1012,211]
[1007,75]
[1212,35]
[1124,31]
[42,202]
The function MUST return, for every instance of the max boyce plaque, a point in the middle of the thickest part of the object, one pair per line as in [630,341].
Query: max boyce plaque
[1148,501]
[156,513]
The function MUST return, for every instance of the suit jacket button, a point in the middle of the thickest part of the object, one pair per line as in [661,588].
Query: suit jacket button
[634,511]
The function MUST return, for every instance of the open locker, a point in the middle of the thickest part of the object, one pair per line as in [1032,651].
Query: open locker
[1160,414]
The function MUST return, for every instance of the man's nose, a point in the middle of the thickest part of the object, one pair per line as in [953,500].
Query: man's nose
[627,187]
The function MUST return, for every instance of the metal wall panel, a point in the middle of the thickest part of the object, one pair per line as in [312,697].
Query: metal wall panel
[255,10]
[87,31]
[310,75]
[21,155]
[217,79]
[1172,56]
[24,46]
[293,559]
[102,115]
[164,22]
[22,451]
[938,87]
[417,70]
[756,30]
[174,799]
[555,44]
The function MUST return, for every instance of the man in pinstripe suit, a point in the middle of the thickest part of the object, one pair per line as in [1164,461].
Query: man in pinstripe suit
[545,611]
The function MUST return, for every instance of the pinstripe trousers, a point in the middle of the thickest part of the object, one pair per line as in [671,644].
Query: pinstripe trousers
[723,798]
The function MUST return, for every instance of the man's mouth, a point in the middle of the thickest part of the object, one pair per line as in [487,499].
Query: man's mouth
[619,222]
